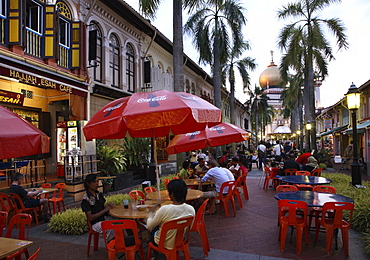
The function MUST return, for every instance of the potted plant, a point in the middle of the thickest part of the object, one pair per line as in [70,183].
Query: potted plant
[111,161]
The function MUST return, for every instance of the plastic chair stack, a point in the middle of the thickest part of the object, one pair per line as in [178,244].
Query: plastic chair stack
[20,208]
[22,222]
[58,200]
[332,219]
[182,227]
[118,244]
[299,221]
[200,227]
[226,196]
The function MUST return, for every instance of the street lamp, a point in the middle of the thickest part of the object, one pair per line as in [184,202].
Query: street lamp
[308,128]
[353,101]
[298,139]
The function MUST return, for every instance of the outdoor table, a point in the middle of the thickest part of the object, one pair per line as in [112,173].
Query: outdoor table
[9,246]
[302,179]
[195,182]
[120,212]
[48,190]
[192,195]
[312,198]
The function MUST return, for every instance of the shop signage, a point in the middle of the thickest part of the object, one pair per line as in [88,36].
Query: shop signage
[328,123]
[38,81]
[11,97]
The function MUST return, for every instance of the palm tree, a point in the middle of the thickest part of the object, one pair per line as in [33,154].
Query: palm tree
[306,45]
[242,66]
[149,8]
[211,26]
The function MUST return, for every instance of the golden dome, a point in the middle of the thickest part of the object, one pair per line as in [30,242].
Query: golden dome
[270,76]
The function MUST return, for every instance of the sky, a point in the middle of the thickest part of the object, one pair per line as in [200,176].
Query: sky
[262,30]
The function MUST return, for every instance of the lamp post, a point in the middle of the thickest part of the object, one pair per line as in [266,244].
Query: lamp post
[353,101]
[308,128]
[298,139]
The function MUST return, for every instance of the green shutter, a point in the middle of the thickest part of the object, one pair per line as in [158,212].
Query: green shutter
[76,45]
[15,22]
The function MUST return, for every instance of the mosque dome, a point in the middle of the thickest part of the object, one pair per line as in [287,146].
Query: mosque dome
[270,77]
[282,130]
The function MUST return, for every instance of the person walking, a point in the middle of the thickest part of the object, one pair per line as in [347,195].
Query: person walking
[261,152]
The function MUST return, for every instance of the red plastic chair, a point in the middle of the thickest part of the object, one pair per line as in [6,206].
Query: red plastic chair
[285,188]
[6,203]
[58,201]
[182,227]
[225,197]
[149,189]
[200,227]
[335,212]
[22,222]
[316,211]
[117,244]
[268,177]
[47,186]
[135,194]
[316,172]
[166,181]
[304,173]
[289,172]
[299,221]
[20,208]
[243,184]
[3,221]
[35,255]
[96,238]
[237,192]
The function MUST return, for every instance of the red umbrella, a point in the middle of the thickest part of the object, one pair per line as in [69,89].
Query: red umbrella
[20,138]
[152,114]
[220,134]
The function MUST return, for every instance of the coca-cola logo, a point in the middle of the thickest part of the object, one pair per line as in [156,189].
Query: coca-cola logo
[151,99]
[193,133]
[109,110]
[217,128]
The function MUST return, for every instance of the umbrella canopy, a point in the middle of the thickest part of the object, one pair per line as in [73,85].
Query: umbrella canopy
[220,134]
[20,138]
[152,114]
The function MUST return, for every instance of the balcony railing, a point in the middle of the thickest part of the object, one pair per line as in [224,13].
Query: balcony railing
[63,56]
[33,43]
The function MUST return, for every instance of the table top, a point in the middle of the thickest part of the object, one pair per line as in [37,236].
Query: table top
[9,246]
[120,212]
[192,195]
[48,190]
[313,198]
[195,182]
[302,179]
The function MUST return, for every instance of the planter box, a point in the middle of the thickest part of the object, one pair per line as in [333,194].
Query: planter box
[123,180]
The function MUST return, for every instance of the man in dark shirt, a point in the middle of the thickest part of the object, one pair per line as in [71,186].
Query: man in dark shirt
[290,163]
[27,195]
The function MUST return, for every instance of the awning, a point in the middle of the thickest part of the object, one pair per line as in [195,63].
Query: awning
[334,130]
[360,128]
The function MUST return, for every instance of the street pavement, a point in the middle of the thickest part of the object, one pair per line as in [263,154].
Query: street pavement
[251,234]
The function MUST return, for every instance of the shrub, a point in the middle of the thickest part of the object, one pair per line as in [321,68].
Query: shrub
[118,198]
[70,222]
[323,166]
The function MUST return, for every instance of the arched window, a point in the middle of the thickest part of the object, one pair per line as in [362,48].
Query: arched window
[64,30]
[187,86]
[130,68]
[193,88]
[95,69]
[114,62]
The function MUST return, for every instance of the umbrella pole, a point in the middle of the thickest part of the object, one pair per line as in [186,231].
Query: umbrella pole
[156,167]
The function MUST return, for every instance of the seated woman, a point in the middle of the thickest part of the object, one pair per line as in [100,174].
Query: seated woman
[177,191]
[185,171]
[93,203]
[311,165]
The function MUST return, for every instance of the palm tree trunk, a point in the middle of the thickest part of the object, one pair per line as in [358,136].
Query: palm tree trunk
[217,70]
[232,101]
[178,48]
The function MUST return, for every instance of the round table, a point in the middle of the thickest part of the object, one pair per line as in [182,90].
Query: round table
[192,195]
[120,212]
[302,179]
[312,198]
[195,182]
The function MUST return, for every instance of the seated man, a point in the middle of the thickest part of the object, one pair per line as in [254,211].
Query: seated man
[233,166]
[290,163]
[201,168]
[27,195]
[177,191]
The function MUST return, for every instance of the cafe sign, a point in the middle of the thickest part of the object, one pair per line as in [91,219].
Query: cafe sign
[11,97]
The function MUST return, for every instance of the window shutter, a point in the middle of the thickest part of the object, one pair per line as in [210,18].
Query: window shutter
[51,29]
[147,71]
[76,43]
[15,22]
[93,40]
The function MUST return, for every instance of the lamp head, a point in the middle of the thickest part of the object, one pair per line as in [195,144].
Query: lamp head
[308,125]
[298,132]
[353,97]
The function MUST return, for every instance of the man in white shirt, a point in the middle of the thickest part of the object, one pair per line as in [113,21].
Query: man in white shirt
[278,149]
[261,151]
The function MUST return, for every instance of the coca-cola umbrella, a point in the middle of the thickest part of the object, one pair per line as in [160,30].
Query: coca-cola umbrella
[221,134]
[152,114]
[19,138]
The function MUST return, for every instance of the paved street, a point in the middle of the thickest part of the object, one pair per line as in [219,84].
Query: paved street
[252,234]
